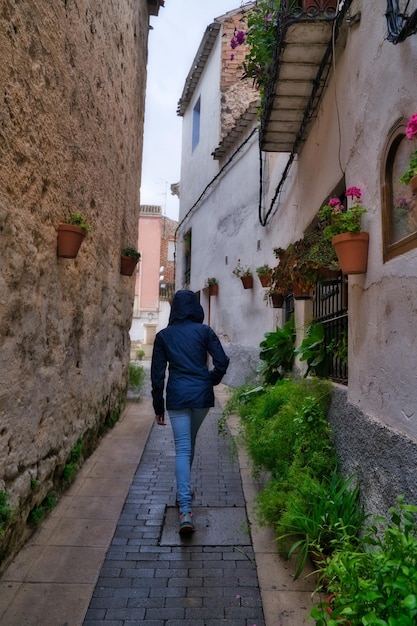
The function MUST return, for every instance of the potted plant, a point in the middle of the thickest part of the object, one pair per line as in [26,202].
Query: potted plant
[281,284]
[342,226]
[213,286]
[410,175]
[129,259]
[140,354]
[71,235]
[322,256]
[244,273]
[265,275]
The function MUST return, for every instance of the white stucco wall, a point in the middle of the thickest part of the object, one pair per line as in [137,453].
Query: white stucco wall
[373,87]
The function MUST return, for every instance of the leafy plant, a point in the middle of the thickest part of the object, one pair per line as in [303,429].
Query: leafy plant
[337,219]
[72,466]
[277,352]
[6,511]
[376,585]
[137,376]
[313,349]
[37,514]
[241,270]
[78,219]
[130,251]
[263,270]
[326,518]
[211,281]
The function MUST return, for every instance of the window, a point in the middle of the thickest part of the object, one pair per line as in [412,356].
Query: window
[196,125]
[171,251]
[399,206]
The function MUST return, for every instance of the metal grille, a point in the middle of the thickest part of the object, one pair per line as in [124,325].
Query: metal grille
[331,310]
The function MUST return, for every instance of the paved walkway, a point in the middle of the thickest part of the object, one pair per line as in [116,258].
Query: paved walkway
[110,552]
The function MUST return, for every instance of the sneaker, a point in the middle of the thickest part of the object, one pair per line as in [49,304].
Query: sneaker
[186,523]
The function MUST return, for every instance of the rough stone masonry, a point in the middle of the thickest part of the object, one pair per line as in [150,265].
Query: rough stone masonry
[72,87]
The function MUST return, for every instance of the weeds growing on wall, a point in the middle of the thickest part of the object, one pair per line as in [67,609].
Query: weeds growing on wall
[39,513]
[6,511]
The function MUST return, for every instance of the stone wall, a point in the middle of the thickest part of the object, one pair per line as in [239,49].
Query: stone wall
[72,81]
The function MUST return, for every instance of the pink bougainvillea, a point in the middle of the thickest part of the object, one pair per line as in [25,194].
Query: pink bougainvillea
[411,129]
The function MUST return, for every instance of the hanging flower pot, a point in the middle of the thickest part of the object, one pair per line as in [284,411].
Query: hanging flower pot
[69,241]
[352,252]
[265,280]
[277,300]
[213,289]
[247,281]
[300,292]
[128,261]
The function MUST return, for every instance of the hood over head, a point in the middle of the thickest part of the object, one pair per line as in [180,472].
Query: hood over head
[185,306]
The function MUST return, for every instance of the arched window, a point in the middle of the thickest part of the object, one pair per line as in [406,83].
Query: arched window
[399,206]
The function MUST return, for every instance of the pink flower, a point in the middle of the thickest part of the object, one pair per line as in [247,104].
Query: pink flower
[233,43]
[411,129]
[354,192]
[334,202]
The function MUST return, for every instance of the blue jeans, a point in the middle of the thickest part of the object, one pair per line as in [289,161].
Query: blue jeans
[185,425]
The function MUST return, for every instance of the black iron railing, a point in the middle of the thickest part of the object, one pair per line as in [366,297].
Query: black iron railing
[331,310]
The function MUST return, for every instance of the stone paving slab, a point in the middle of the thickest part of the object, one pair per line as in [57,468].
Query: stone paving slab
[217,526]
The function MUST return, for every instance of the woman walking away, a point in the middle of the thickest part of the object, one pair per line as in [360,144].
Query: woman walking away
[184,345]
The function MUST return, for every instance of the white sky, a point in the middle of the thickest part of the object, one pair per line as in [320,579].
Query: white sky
[173,43]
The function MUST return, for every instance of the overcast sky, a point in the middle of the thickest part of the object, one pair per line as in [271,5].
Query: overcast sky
[173,43]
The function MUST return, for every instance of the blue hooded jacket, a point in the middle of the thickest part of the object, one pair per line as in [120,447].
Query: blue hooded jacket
[184,345]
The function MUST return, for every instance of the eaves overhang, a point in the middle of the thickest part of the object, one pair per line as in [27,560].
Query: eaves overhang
[154,6]
[305,43]
[200,59]
[240,128]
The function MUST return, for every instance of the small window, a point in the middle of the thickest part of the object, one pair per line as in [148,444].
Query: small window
[196,125]
[171,251]
[399,205]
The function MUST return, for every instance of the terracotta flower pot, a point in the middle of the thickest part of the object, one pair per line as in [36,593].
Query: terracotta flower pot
[329,610]
[413,184]
[352,252]
[69,241]
[128,265]
[213,289]
[247,281]
[300,293]
[265,279]
[277,300]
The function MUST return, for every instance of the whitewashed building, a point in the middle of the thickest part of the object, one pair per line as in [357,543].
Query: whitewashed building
[343,89]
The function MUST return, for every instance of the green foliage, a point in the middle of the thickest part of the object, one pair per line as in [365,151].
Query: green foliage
[277,352]
[286,433]
[38,514]
[34,484]
[6,511]
[376,586]
[72,466]
[313,349]
[78,219]
[137,376]
[411,169]
[261,24]
[264,270]
[325,517]
[131,252]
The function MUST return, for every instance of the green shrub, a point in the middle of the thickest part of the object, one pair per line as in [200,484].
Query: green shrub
[376,586]
[137,376]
